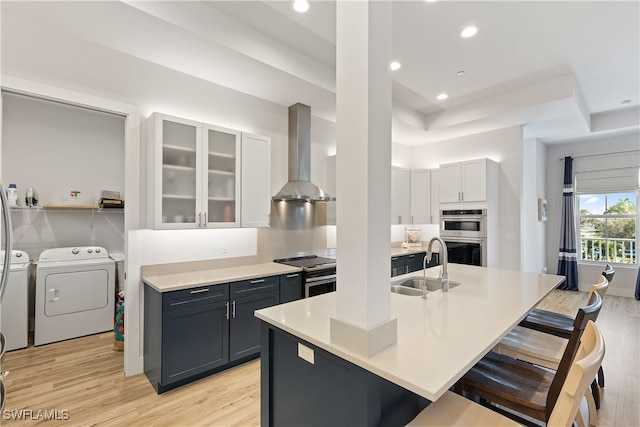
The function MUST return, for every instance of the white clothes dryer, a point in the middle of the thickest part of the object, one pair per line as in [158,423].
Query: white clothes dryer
[75,293]
[14,314]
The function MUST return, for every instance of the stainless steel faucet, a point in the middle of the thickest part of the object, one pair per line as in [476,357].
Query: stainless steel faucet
[444,275]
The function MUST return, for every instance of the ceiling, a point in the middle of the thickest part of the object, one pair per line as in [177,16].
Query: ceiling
[560,68]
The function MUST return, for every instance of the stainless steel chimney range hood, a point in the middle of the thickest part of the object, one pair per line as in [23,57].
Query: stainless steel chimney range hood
[300,186]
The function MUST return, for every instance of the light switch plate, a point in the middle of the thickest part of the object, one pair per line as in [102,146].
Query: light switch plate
[306,353]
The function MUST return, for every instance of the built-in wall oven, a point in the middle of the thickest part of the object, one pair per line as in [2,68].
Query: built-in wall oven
[319,273]
[464,231]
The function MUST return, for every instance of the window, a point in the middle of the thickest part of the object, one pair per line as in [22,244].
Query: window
[608,225]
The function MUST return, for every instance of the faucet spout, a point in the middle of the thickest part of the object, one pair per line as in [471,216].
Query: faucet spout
[444,276]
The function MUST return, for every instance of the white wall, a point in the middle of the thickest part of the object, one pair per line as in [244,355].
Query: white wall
[625,278]
[533,188]
[504,146]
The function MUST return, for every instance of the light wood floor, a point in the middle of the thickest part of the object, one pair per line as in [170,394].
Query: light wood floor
[85,377]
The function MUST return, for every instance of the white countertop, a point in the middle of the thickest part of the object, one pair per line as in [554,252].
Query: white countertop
[185,280]
[440,338]
[411,250]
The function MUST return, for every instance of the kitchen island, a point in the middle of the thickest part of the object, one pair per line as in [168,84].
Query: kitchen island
[307,380]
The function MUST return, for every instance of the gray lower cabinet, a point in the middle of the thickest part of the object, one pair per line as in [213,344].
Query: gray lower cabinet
[403,264]
[291,287]
[397,266]
[193,333]
[244,328]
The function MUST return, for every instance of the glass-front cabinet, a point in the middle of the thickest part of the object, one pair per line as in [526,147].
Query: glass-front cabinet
[193,174]
[222,163]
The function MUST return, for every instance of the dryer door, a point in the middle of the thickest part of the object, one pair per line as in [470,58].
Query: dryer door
[74,292]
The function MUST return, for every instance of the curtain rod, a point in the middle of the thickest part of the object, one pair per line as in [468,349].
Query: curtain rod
[604,154]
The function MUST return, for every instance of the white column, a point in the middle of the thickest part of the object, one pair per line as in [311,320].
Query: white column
[363,54]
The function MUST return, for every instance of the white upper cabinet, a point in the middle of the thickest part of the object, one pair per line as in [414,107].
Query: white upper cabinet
[421,196]
[400,196]
[174,170]
[256,180]
[194,177]
[221,186]
[435,196]
[465,182]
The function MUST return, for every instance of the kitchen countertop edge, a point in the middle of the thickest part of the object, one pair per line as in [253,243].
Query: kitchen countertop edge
[185,280]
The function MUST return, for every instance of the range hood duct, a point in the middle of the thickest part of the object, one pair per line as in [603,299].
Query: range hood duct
[300,186]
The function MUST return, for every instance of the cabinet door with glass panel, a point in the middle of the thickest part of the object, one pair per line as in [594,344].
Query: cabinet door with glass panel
[192,175]
[173,172]
[221,186]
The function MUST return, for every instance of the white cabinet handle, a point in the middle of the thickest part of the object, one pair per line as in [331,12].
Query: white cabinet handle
[199,291]
[257,281]
[227,315]
[289,276]
[233,309]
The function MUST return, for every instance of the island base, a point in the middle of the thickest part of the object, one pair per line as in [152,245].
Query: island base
[302,384]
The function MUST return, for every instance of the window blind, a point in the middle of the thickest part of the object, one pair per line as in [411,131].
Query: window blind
[620,180]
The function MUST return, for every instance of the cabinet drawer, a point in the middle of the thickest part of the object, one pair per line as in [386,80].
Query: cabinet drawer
[254,286]
[414,261]
[193,297]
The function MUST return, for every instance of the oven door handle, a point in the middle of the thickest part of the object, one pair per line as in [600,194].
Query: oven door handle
[323,279]
[456,239]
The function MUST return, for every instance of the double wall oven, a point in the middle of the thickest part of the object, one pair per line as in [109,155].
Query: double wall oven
[319,274]
[464,231]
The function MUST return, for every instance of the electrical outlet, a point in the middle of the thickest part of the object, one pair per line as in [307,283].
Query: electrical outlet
[306,353]
[225,247]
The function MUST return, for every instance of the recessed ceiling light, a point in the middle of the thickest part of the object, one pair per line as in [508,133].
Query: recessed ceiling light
[442,96]
[301,6]
[470,31]
[460,73]
[395,65]
[626,101]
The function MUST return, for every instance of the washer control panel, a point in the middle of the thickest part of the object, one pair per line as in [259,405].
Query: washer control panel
[79,252]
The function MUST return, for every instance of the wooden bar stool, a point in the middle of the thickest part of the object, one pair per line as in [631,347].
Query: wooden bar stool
[454,410]
[523,387]
[545,349]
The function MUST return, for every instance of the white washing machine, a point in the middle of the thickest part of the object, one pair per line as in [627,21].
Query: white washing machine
[75,293]
[14,315]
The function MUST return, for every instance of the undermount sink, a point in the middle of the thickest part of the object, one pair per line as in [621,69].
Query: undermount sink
[413,285]
[403,290]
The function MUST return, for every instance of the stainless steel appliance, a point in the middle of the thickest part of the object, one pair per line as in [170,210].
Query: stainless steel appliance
[300,186]
[465,234]
[319,273]
[8,241]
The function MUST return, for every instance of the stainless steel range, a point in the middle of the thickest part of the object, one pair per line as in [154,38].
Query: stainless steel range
[319,273]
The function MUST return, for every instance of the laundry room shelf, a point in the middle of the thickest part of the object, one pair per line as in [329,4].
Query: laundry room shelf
[92,208]
[71,207]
